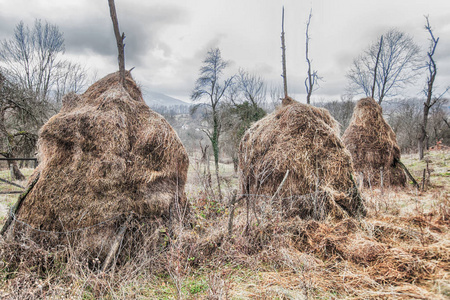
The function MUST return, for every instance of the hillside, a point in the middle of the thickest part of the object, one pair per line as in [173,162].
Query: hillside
[155,99]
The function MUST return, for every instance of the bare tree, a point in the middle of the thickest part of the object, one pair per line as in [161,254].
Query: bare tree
[18,125]
[438,129]
[246,97]
[404,117]
[33,73]
[398,63]
[251,88]
[32,60]
[312,79]
[32,56]
[211,86]
[275,94]
[70,77]
[429,89]
[341,110]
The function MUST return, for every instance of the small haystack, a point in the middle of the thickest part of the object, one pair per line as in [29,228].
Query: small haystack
[304,140]
[104,156]
[373,145]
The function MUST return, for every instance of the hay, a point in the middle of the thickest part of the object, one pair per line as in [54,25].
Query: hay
[373,145]
[103,156]
[304,140]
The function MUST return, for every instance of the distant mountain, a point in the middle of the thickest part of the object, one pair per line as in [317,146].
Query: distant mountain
[155,99]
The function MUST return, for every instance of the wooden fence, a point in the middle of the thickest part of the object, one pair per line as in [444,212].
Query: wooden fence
[12,183]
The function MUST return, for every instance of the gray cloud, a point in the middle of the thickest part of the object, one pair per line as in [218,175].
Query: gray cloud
[143,28]
[167,40]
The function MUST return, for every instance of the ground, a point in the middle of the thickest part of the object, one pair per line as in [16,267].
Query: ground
[401,250]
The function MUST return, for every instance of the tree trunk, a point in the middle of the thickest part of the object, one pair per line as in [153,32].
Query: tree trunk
[216,163]
[215,146]
[420,145]
[235,164]
[13,167]
[15,171]
[423,131]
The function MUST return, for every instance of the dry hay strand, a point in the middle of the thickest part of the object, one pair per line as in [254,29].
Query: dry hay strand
[438,251]
[403,291]
[404,229]
[104,156]
[399,266]
[304,140]
[383,263]
[373,145]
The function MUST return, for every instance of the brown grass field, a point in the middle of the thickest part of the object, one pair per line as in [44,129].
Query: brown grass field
[400,250]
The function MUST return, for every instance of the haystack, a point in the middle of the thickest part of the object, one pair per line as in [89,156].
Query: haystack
[373,145]
[304,140]
[104,156]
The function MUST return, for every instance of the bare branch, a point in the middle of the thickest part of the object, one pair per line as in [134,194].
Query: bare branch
[312,78]
[398,62]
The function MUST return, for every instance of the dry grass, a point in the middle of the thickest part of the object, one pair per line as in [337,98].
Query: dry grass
[399,251]
[304,141]
[373,146]
[103,156]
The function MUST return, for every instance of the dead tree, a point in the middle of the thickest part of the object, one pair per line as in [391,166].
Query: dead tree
[313,77]
[430,100]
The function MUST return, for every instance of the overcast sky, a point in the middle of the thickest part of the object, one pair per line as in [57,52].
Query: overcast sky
[168,39]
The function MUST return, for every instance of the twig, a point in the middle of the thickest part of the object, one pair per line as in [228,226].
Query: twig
[423,179]
[231,208]
[280,187]
[381,181]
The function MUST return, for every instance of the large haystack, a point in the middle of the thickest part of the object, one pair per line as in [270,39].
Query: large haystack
[373,145]
[304,140]
[104,156]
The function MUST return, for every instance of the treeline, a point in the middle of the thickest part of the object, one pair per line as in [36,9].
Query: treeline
[403,115]
[171,110]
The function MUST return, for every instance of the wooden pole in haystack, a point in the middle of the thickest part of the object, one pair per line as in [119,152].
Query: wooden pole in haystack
[18,204]
[283,55]
[119,39]
[407,173]
[116,243]
[376,67]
